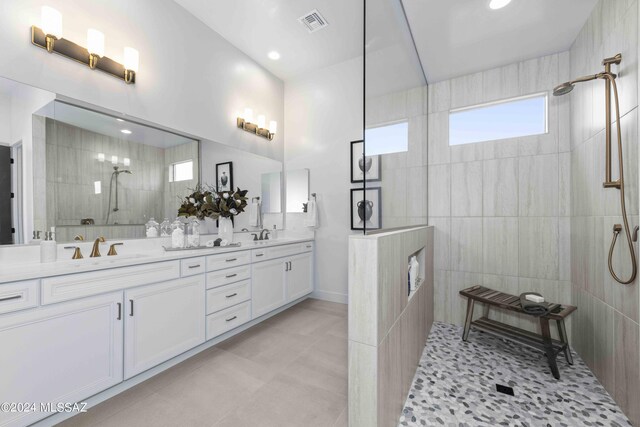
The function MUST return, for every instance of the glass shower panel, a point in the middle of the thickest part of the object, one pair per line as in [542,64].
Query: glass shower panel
[392,159]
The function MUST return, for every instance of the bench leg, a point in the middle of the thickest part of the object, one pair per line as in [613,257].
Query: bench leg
[562,332]
[485,310]
[469,318]
[548,347]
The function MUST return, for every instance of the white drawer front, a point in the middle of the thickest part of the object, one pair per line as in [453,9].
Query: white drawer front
[19,295]
[225,296]
[226,320]
[71,286]
[191,266]
[233,259]
[281,251]
[229,275]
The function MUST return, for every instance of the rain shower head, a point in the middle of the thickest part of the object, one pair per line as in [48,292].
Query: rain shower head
[563,89]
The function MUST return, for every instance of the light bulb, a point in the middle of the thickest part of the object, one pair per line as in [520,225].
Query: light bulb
[51,22]
[114,160]
[95,42]
[101,157]
[261,121]
[131,59]
[126,161]
[498,4]
[248,115]
[273,126]
[97,187]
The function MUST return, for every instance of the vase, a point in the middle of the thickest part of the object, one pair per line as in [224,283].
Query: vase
[365,210]
[365,164]
[208,226]
[225,229]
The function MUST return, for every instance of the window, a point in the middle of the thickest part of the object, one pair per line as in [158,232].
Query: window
[393,138]
[181,171]
[510,118]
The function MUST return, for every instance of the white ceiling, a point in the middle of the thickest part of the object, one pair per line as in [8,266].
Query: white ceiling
[258,27]
[455,38]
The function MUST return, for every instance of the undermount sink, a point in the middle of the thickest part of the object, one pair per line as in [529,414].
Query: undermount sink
[104,259]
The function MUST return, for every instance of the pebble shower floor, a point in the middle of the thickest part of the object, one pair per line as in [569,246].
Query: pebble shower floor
[455,385]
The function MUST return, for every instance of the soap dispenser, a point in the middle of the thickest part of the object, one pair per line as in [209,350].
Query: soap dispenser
[48,247]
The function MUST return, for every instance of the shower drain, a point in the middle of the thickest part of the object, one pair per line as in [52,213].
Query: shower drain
[504,389]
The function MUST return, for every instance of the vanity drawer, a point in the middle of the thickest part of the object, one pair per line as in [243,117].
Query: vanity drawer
[225,296]
[226,320]
[281,251]
[72,286]
[229,275]
[191,266]
[18,295]
[233,259]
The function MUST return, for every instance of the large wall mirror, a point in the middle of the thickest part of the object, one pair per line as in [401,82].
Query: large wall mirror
[93,174]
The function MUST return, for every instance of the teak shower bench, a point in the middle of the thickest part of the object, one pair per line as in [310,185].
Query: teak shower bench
[542,342]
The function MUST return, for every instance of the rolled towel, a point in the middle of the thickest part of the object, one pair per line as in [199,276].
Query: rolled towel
[254,214]
[538,309]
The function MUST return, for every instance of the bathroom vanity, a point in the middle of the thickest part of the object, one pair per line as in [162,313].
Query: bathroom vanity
[77,328]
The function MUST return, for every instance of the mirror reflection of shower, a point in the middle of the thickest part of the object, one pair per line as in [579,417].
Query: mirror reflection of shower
[114,179]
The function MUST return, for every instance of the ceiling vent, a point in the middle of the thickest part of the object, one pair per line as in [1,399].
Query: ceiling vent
[313,21]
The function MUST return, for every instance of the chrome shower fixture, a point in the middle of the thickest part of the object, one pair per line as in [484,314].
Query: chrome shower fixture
[610,83]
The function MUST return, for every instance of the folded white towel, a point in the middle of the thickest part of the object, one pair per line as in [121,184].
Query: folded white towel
[255,215]
[311,218]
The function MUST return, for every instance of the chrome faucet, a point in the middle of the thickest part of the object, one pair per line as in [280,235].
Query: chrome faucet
[95,251]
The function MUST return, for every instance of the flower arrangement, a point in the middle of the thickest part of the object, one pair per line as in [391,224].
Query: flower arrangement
[203,203]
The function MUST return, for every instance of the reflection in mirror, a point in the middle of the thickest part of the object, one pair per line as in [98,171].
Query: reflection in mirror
[106,176]
[297,185]
[272,192]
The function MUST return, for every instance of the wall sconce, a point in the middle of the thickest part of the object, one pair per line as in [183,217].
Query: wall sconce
[49,37]
[245,123]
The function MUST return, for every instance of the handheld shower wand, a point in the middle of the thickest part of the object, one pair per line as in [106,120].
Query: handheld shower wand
[610,80]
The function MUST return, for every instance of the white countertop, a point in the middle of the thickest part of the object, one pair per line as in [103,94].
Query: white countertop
[37,270]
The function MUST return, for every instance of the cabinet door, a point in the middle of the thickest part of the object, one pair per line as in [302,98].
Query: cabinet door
[300,276]
[162,321]
[61,353]
[267,288]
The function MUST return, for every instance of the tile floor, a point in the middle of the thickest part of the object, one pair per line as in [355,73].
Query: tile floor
[455,386]
[290,370]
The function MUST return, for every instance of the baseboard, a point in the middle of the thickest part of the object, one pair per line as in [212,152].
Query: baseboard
[330,296]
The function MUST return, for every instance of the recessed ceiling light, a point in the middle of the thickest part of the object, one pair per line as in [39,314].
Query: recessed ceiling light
[274,55]
[498,4]
[120,120]
[126,131]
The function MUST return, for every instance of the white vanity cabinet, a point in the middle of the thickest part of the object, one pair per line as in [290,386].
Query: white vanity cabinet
[60,353]
[279,281]
[162,321]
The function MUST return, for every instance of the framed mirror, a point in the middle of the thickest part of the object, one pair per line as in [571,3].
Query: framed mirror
[297,185]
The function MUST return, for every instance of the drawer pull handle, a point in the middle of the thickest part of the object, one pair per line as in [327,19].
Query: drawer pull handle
[229,276]
[308,246]
[194,266]
[231,260]
[11,297]
[119,311]
[233,318]
[131,313]
[232,295]
[257,255]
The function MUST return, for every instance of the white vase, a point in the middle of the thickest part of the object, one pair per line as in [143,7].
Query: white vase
[225,229]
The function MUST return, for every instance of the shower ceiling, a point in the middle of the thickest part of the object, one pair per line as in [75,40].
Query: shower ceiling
[461,37]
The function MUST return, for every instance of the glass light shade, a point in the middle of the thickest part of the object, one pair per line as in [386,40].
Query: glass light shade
[248,115]
[101,157]
[498,4]
[51,22]
[126,161]
[114,160]
[97,187]
[131,59]
[273,126]
[95,42]
[262,121]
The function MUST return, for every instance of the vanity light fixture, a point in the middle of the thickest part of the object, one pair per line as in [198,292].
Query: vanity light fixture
[49,37]
[246,123]
[126,131]
[498,4]
[114,160]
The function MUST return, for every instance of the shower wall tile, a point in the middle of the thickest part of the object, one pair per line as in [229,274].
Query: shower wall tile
[504,148]
[538,185]
[466,90]
[501,83]
[627,365]
[538,248]
[439,182]
[564,248]
[466,153]
[603,334]
[500,248]
[457,303]
[416,202]
[441,294]
[466,189]
[442,239]
[538,74]
[500,187]
[439,96]
[438,130]
[564,184]
[466,244]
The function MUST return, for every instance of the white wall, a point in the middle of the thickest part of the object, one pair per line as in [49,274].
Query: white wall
[323,114]
[190,78]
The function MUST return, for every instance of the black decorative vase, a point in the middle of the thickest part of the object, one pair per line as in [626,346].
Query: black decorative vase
[364,163]
[224,179]
[365,210]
